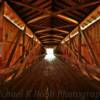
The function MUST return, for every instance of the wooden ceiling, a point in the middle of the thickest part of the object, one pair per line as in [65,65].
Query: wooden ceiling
[52,20]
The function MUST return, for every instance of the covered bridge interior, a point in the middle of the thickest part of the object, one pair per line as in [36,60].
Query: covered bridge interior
[50,49]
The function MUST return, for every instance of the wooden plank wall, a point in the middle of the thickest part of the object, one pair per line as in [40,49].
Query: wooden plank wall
[10,35]
[12,47]
[71,48]
[1,30]
[93,34]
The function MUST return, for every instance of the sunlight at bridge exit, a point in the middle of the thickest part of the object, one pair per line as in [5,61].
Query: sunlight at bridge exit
[50,54]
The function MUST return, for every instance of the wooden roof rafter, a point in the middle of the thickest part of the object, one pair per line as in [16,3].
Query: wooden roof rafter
[89,20]
[32,16]
[51,29]
[51,41]
[33,7]
[67,19]
[37,18]
[44,27]
[77,7]
[48,39]
[53,18]
[47,36]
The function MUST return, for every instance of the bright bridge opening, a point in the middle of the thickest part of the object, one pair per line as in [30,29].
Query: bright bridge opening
[50,54]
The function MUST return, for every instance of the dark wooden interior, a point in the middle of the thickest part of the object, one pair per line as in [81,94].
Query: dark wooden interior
[30,28]
[53,17]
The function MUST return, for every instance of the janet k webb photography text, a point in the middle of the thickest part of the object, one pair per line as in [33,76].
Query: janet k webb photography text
[41,94]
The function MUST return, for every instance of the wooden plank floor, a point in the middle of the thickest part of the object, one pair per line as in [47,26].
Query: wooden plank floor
[56,80]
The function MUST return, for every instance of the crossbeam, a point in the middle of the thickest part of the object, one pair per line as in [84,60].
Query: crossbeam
[60,30]
[51,39]
[56,36]
[68,19]
[43,30]
[52,29]
[78,7]
[37,19]
[59,27]
[34,7]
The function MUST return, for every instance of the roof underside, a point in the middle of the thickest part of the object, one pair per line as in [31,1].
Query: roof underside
[52,20]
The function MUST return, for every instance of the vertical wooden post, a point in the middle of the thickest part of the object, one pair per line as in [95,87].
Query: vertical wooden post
[23,48]
[69,41]
[79,44]
[1,30]
[32,41]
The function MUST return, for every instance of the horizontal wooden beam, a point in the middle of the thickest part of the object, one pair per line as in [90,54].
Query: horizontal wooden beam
[60,30]
[43,30]
[50,39]
[37,19]
[46,36]
[59,27]
[52,29]
[66,18]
